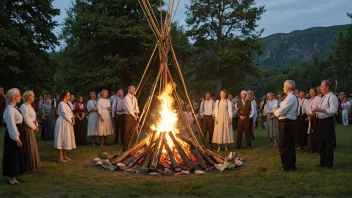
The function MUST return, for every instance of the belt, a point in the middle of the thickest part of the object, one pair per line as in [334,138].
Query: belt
[285,120]
[326,119]
[209,115]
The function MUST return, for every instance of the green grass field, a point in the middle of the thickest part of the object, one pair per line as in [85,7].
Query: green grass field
[258,178]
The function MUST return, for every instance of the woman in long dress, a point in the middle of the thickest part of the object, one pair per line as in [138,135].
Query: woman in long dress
[105,125]
[64,134]
[30,127]
[93,117]
[313,135]
[14,160]
[190,118]
[48,113]
[223,131]
[272,128]
[81,122]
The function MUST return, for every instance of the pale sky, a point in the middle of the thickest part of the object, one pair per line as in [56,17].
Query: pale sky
[281,16]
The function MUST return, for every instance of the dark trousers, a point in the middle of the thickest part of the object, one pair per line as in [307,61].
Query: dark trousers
[1,119]
[243,126]
[208,125]
[302,129]
[326,135]
[314,135]
[119,121]
[130,129]
[287,128]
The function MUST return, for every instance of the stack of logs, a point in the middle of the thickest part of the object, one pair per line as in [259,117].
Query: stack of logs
[154,155]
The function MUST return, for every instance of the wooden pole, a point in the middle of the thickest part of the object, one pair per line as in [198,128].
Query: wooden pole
[182,153]
[174,163]
[186,92]
[157,152]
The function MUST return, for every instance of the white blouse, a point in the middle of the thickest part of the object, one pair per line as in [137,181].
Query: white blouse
[312,104]
[29,115]
[12,116]
[271,106]
[92,106]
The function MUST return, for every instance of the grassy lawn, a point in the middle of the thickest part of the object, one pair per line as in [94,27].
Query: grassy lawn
[258,178]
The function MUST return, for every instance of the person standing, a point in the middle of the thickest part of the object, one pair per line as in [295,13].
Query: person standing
[118,113]
[244,108]
[112,97]
[104,124]
[14,159]
[64,134]
[2,105]
[253,116]
[313,138]
[207,116]
[346,107]
[81,122]
[93,117]
[287,114]
[302,124]
[47,121]
[30,127]
[223,131]
[326,124]
[190,118]
[131,118]
[272,128]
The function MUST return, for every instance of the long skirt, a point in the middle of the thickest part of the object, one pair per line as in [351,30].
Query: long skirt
[223,132]
[272,128]
[313,135]
[13,162]
[32,155]
[49,129]
[81,131]
[64,135]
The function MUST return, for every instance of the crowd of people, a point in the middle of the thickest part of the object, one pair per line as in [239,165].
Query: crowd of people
[292,119]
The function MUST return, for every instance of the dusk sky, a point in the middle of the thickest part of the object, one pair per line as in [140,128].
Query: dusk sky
[281,16]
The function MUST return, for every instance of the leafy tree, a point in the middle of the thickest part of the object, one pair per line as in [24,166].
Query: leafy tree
[108,45]
[224,33]
[25,36]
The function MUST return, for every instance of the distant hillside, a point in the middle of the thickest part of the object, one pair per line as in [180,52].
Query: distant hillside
[298,46]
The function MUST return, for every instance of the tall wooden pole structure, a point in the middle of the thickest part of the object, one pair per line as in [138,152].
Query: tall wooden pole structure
[164,51]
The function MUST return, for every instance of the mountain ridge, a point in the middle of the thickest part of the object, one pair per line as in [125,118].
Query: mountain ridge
[298,46]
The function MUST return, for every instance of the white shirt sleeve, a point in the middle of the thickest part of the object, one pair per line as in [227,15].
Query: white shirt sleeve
[201,110]
[229,109]
[67,115]
[10,120]
[26,116]
[216,109]
[114,107]
[334,103]
[252,110]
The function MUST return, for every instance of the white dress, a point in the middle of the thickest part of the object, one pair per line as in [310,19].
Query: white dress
[104,128]
[223,132]
[93,118]
[64,134]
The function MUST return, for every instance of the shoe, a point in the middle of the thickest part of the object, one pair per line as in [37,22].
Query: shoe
[20,180]
[9,183]
[293,169]
[321,166]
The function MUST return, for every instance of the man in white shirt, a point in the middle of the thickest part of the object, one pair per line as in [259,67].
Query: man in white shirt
[118,113]
[326,126]
[302,123]
[287,114]
[131,117]
[207,116]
